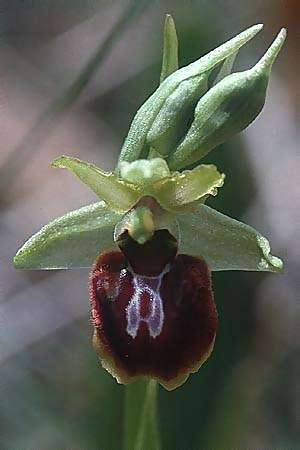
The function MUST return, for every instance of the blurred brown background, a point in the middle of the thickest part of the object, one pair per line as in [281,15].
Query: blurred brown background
[53,394]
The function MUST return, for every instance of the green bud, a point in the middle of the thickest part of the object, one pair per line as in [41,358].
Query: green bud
[226,109]
[172,120]
[135,145]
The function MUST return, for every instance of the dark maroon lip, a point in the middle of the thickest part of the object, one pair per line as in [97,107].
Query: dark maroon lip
[153,311]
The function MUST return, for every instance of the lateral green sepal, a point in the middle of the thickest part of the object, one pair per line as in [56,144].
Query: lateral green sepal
[71,241]
[225,243]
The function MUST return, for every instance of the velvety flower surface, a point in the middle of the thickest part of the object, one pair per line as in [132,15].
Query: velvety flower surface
[151,240]
[158,320]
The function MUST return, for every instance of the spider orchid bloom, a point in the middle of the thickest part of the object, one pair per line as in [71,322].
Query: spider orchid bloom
[151,240]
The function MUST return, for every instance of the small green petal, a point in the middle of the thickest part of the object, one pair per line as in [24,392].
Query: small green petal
[170,51]
[135,142]
[184,188]
[225,243]
[73,240]
[117,194]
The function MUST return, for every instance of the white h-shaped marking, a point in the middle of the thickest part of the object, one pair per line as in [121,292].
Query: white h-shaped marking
[155,318]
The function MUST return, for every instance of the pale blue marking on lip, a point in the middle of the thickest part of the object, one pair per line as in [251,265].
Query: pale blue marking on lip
[155,319]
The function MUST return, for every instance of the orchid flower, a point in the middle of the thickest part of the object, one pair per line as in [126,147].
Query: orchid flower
[151,241]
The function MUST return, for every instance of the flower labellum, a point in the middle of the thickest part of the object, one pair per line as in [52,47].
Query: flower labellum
[153,311]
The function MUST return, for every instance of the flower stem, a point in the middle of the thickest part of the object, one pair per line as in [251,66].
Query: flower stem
[140,416]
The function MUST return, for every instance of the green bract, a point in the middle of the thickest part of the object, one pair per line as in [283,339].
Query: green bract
[151,188]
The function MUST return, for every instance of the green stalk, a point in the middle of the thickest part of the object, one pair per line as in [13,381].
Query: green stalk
[140,416]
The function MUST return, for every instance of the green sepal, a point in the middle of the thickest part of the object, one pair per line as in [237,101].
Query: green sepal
[170,123]
[170,49]
[119,195]
[226,109]
[135,141]
[225,243]
[71,241]
[182,189]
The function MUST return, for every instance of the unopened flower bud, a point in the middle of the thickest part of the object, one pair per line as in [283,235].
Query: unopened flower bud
[172,120]
[226,109]
[136,145]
